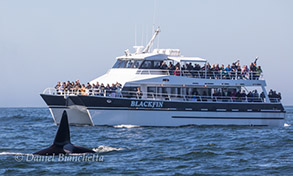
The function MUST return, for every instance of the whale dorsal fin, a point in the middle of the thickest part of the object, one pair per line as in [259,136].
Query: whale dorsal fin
[63,134]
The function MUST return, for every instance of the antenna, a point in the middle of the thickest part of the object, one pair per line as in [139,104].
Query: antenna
[158,42]
[142,27]
[147,48]
[154,15]
[135,35]
[146,34]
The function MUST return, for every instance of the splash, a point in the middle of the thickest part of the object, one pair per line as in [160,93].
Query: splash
[126,126]
[104,148]
[286,125]
[13,153]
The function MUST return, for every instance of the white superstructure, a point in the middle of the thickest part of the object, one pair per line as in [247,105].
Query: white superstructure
[163,88]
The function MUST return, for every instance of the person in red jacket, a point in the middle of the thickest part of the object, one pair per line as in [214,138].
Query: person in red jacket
[177,72]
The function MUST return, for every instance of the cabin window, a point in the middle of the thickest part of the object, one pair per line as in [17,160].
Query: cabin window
[130,64]
[118,63]
[147,64]
[127,63]
[157,64]
[137,63]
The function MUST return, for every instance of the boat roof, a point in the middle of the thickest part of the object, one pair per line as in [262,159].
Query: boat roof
[187,59]
[161,57]
[145,56]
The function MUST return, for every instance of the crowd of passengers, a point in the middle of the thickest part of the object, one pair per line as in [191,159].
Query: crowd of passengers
[251,96]
[88,89]
[115,91]
[214,71]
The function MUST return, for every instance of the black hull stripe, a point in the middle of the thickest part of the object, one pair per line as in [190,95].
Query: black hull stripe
[92,102]
[140,109]
[133,109]
[237,118]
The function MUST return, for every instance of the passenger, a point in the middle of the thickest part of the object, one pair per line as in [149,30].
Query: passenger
[196,69]
[177,72]
[97,89]
[252,70]
[256,96]
[244,71]
[107,90]
[171,68]
[67,87]
[93,89]
[221,71]
[118,91]
[118,85]
[250,96]
[212,71]
[102,88]
[72,87]
[61,88]
[258,72]
[163,65]
[113,89]
[216,71]
[82,91]
[262,96]
[227,72]
[88,89]
[77,87]
[189,66]
[139,93]
[57,87]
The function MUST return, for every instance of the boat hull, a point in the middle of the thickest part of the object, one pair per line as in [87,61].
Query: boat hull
[171,118]
[97,110]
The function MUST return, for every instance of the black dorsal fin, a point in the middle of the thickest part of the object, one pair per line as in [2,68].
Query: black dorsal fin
[63,134]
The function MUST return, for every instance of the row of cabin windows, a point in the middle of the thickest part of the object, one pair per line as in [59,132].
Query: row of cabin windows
[176,91]
[187,91]
[142,64]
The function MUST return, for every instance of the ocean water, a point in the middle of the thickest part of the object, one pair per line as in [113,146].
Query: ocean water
[134,150]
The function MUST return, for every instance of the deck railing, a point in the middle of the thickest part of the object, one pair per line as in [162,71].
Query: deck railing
[156,96]
[234,75]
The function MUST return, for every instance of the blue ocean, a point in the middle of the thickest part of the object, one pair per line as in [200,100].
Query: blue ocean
[134,150]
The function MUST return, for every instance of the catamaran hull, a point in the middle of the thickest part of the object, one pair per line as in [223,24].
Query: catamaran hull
[85,110]
[75,116]
[169,118]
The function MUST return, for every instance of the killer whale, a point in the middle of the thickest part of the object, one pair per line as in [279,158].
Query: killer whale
[62,144]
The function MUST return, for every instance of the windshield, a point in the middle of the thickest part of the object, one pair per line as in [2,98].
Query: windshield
[127,63]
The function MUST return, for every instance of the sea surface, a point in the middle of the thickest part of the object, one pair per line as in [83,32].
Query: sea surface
[134,150]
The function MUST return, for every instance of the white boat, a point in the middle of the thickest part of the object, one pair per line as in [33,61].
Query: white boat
[153,95]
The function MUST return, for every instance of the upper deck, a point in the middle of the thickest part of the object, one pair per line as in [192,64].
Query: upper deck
[146,64]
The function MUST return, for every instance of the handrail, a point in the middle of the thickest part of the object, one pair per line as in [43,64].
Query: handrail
[50,90]
[156,96]
[234,75]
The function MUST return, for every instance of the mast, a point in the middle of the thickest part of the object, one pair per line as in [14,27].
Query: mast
[149,45]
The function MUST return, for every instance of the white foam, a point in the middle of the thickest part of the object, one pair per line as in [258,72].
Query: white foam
[104,148]
[13,153]
[286,125]
[126,126]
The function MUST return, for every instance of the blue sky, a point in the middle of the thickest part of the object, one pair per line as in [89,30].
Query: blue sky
[42,42]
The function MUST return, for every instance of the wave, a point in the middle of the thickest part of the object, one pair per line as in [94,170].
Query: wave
[104,148]
[126,126]
[286,125]
[14,153]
